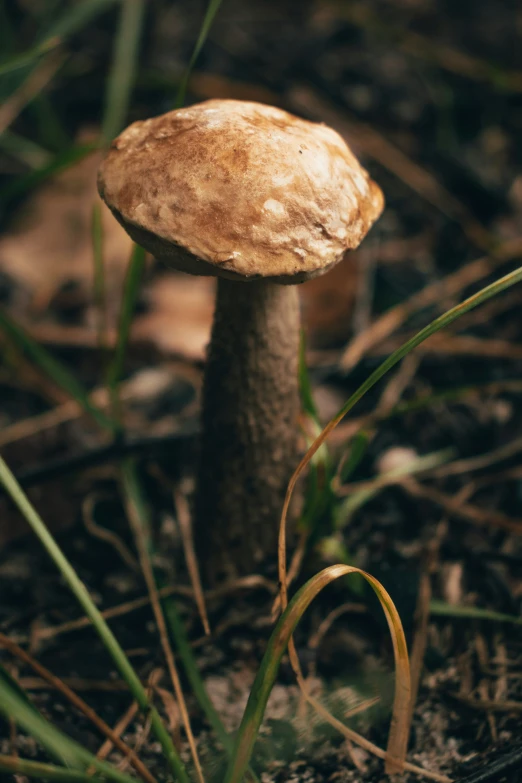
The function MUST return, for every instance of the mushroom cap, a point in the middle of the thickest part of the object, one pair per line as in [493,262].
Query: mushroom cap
[241,190]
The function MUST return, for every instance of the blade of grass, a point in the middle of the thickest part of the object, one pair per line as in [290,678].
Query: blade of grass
[12,683]
[30,88]
[350,462]
[279,640]
[130,294]
[77,16]
[33,179]
[52,367]
[36,769]
[49,127]
[358,499]
[139,512]
[79,703]
[79,590]
[443,609]
[123,69]
[178,634]
[435,326]
[319,498]
[54,741]
[212,9]
[138,515]
[189,551]
[25,150]
[99,289]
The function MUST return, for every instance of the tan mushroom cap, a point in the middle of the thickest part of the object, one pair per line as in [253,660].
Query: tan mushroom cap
[239,189]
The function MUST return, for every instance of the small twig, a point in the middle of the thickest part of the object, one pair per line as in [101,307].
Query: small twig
[422,617]
[438,291]
[63,466]
[121,726]
[457,345]
[370,746]
[476,514]
[397,385]
[481,461]
[108,536]
[79,703]
[346,431]
[76,683]
[129,716]
[252,582]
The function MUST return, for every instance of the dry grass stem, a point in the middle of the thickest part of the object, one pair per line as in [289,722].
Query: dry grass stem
[185,527]
[475,514]
[146,567]
[79,703]
[107,536]
[437,292]
[252,582]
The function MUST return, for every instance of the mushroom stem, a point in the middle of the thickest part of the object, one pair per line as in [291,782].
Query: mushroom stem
[249,426]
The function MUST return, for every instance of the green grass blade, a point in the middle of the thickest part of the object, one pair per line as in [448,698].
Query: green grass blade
[36,769]
[305,386]
[131,289]
[261,689]
[74,19]
[212,9]
[358,499]
[139,517]
[49,127]
[22,185]
[443,609]
[25,150]
[54,741]
[6,678]
[181,642]
[358,448]
[99,287]
[52,367]
[134,492]
[79,590]
[24,59]
[319,498]
[124,67]
[435,326]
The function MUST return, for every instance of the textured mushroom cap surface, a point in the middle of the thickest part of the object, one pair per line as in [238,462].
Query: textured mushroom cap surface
[239,189]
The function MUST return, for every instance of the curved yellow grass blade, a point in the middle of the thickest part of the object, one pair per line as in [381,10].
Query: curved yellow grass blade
[279,641]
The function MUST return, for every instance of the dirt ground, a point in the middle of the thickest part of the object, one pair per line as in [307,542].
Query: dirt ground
[429,94]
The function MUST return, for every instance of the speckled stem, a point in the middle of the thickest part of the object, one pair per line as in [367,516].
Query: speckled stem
[248,448]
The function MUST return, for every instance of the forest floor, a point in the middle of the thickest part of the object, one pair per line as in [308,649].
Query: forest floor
[429,94]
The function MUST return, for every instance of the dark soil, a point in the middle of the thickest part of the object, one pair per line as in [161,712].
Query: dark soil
[375,66]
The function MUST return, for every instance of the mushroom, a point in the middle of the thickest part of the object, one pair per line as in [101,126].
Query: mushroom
[262,200]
